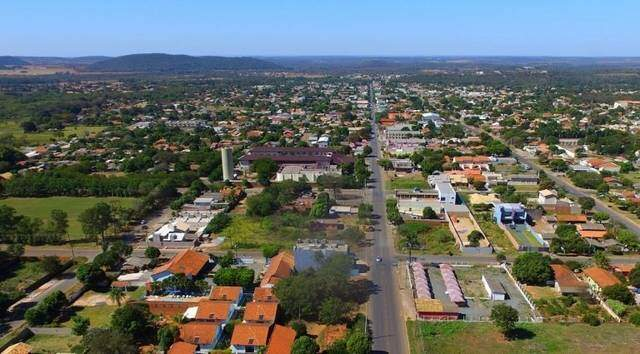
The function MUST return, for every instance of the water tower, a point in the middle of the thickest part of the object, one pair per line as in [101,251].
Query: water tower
[227,163]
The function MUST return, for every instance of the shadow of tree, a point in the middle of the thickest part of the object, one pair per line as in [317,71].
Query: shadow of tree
[519,333]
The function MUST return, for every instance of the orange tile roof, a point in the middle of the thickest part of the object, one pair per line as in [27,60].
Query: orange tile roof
[592,233]
[624,268]
[250,334]
[187,262]
[571,218]
[182,348]
[264,294]
[281,267]
[198,332]
[260,311]
[565,277]
[281,341]
[601,277]
[226,293]
[472,159]
[210,310]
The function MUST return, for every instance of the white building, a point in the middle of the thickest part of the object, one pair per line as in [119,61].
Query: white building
[308,172]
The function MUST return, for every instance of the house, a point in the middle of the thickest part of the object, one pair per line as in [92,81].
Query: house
[260,312]
[204,335]
[280,267]
[494,289]
[249,337]
[592,230]
[507,213]
[211,311]
[227,293]
[170,306]
[547,197]
[566,281]
[571,218]
[188,262]
[281,341]
[523,180]
[182,348]
[599,278]
[446,193]
[473,162]
[264,295]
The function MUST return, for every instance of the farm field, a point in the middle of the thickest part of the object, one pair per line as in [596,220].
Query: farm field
[41,208]
[14,129]
[458,337]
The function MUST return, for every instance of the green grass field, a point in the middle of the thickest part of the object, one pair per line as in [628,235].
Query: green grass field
[407,182]
[22,138]
[41,208]
[46,343]
[249,232]
[99,316]
[24,274]
[496,236]
[464,337]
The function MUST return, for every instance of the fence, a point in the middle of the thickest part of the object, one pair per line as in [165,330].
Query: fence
[535,314]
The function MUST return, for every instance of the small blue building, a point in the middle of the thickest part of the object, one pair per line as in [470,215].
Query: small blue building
[509,213]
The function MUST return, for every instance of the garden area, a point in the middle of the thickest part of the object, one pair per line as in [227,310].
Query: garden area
[457,337]
[13,128]
[41,208]
[426,238]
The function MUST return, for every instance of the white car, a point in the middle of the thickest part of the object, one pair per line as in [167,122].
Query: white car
[378,259]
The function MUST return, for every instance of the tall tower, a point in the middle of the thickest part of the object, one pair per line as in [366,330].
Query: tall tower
[227,163]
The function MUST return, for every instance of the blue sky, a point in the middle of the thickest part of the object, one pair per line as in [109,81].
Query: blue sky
[327,27]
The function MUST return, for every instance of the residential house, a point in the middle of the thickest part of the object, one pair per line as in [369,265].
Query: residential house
[182,348]
[566,282]
[211,311]
[187,262]
[599,278]
[280,267]
[260,312]
[281,341]
[473,162]
[204,335]
[523,180]
[264,295]
[547,198]
[227,293]
[507,213]
[249,337]
[592,230]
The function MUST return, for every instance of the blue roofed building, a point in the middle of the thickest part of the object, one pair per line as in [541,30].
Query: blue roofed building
[509,213]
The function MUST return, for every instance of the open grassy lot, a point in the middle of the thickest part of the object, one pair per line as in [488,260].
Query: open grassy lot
[406,182]
[22,138]
[496,236]
[433,239]
[45,343]
[41,208]
[100,315]
[527,188]
[464,337]
[21,276]
[250,232]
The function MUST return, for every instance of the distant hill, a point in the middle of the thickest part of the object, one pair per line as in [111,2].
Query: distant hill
[64,61]
[11,61]
[168,63]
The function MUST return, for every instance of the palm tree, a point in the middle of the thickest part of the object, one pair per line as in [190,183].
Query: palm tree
[117,295]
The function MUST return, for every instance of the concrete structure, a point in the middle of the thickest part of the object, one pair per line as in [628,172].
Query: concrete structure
[494,289]
[507,213]
[227,163]
[310,173]
[446,193]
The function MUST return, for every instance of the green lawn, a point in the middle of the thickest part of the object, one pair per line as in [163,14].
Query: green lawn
[464,337]
[41,208]
[100,315]
[250,232]
[22,138]
[407,182]
[527,188]
[434,240]
[496,236]
[45,343]
[24,274]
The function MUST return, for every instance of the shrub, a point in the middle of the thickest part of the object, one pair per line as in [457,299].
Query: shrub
[635,318]
[591,319]
[618,292]
[618,307]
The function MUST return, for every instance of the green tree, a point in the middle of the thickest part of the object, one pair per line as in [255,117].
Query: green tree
[91,275]
[333,311]
[96,220]
[167,335]
[80,325]
[132,319]
[218,223]
[532,268]
[227,260]
[586,203]
[270,250]
[51,264]
[504,317]
[117,295]
[618,292]
[385,163]
[365,211]
[429,213]
[265,169]
[305,345]
[359,343]
[601,260]
[59,221]
[15,249]
[152,252]
[106,341]
[321,206]
[474,238]
[634,276]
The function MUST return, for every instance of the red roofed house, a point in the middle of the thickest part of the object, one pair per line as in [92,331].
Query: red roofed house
[211,311]
[169,306]
[281,341]
[264,295]
[599,279]
[187,262]
[280,267]
[227,293]
[261,312]
[182,348]
[571,218]
[249,337]
[590,230]
[204,335]
[566,282]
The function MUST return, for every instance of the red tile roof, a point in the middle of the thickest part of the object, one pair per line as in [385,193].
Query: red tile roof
[260,312]
[264,295]
[281,267]
[601,277]
[209,310]
[569,218]
[226,293]
[281,340]
[182,348]
[198,332]
[565,277]
[187,262]
[253,334]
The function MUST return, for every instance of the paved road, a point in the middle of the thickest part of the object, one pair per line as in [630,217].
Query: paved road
[569,187]
[385,306]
